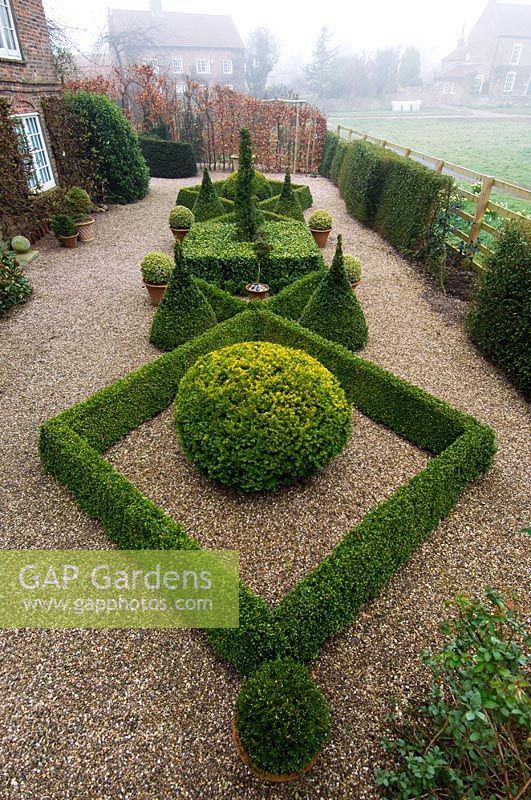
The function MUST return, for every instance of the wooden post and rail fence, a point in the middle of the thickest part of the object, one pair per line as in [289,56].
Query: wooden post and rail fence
[482,201]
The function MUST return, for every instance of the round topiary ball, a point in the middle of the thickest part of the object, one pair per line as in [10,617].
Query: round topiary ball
[259,416]
[282,718]
[260,186]
[156,268]
[20,244]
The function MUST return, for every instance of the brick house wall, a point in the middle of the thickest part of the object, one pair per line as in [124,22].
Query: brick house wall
[190,56]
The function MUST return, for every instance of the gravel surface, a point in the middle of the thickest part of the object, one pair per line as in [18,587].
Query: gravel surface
[103,715]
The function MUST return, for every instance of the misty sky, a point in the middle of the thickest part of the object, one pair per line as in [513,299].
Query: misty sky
[356,26]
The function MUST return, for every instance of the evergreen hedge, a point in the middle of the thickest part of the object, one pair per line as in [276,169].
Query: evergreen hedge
[500,320]
[288,204]
[168,159]
[207,204]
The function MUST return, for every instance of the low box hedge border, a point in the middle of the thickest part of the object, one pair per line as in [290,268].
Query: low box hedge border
[188,195]
[71,447]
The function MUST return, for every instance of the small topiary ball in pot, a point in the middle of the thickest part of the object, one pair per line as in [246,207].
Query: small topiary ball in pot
[257,416]
[156,268]
[352,268]
[282,718]
[320,220]
[181,218]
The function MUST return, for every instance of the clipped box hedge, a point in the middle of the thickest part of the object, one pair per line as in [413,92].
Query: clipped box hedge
[188,195]
[168,159]
[73,443]
[214,254]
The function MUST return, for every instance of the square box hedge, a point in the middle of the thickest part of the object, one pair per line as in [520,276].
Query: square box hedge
[325,601]
[188,195]
[213,253]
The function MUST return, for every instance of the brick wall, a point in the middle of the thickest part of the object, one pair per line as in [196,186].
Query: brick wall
[190,55]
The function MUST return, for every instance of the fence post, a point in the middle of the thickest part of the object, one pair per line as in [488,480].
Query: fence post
[407,152]
[481,207]
[440,165]
[350,134]
[338,131]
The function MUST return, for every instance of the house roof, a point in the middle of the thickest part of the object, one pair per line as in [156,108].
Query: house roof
[174,29]
[505,19]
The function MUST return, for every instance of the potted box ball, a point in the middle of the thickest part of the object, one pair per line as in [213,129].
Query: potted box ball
[64,227]
[353,269]
[282,721]
[181,220]
[156,269]
[79,205]
[320,225]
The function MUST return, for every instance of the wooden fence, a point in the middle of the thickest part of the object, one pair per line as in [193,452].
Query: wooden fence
[482,202]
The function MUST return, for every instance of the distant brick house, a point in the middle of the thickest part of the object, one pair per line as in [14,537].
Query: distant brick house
[26,75]
[204,47]
[495,62]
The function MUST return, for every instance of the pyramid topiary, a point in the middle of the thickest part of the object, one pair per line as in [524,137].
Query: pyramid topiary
[288,203]
[248,216]
[333,311]
[208,205]
[184,311]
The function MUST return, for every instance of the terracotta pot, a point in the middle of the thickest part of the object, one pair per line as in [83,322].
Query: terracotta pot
[86,230]
[355,284]
[179,233]
[156,292]
[257,291]
[68,241]
[262,774]
[320,237]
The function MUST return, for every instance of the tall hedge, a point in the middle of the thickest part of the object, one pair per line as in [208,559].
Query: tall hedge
[120,165]
[500,320]
[168,159]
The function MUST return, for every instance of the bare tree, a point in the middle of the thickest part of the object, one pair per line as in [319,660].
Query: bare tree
[261,56]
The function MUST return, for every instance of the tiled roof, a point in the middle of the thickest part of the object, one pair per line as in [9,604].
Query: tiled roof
[173,29]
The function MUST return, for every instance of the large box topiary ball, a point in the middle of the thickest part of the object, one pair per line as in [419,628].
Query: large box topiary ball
[259,416]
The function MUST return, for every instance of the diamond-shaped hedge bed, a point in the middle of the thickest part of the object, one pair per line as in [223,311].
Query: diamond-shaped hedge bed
[325,601]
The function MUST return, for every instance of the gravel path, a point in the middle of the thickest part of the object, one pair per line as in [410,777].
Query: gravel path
[103,715]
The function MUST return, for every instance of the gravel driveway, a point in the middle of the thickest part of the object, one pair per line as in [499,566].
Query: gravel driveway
[102,715]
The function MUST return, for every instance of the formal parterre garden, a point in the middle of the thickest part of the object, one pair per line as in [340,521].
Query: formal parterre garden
[262,389]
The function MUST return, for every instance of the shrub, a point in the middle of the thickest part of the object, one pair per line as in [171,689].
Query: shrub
[15,288]
[337,160]
[248,217]
[214,254]
[282,717]
[156,268]
[291,301]
[288,203]
[471,736]
[183,312]
[352,268]
[120,166]
[168,159]
[20,244]
[78,203]
[320,220]
[261,187]
[328,154]
[333,310]
[63,225]
[181,217]
[361,179]
[207,204]
[259,416]
[500,319]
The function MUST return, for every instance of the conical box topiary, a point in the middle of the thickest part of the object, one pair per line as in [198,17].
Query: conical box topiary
[333,311]
[248,216]
[184,311]
[288,203]
[208,205]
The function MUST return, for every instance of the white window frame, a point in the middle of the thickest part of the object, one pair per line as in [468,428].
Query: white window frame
[528,87]
[516,55]
[227,66]
[12,53]
[477,85]
[39,155]
[508,86]
[200,63]
[445,87]
[452,88]
[229,86]
[154,63]
[180,88]
[180,68]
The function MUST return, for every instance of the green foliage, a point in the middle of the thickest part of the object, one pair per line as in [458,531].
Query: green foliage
[352,268]
[288,203]
[184,312]
[248,217]
[15,288]
[320,220]
[63,225]
[290,302]
[282,717]
[16,171]
[335,167]
[78,203]
[156,268]
[301,192]
[318,73]
[207,204]
[361,177]
[333,310]
[120,166]
[181,217]
[471,737]
[20,244]
[261,187]
[500,319]
[168,159]
[214,254]
[329,152]
[223,304]
[259,416]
